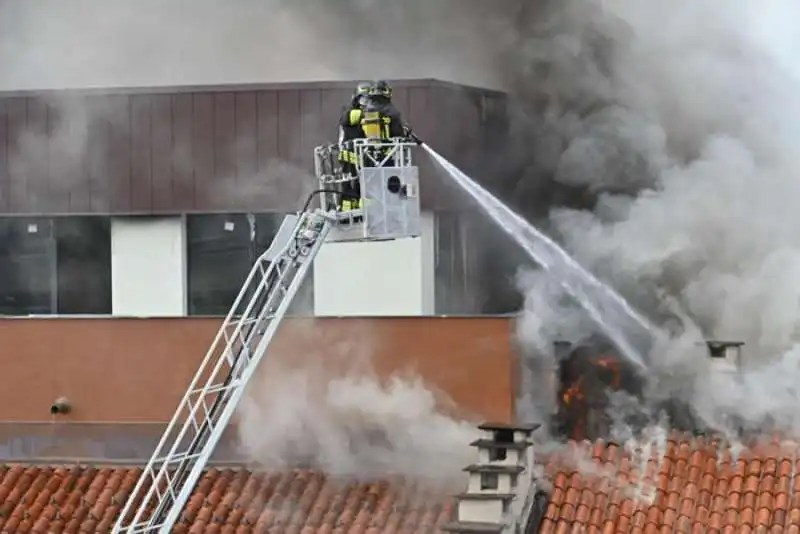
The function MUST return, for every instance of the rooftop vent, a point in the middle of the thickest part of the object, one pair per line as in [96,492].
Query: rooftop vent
[496,499]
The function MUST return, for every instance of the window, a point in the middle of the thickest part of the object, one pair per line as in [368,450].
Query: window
[221,252]
[497,454]
[59,265]
[27,266]
[504,435]
[489,481]
[83,265]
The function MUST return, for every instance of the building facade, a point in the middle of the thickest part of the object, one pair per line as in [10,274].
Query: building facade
[155,201]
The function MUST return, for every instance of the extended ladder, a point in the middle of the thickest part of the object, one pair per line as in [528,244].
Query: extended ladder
[207,406]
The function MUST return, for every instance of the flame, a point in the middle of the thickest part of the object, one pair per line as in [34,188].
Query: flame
[575,396]
[574,393]
[612,364]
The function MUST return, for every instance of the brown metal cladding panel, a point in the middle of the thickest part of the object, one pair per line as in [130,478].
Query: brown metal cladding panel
[212,149]
[267,134]
[16,108]
[183,152]
[162,124]
[119,153]
[81,195]
[332,105]
[462,140]
[467,144]
[4,141]
[412,102]
[315,129]
[62,172]
[424,120]
[98,154]
[224,172]
[33,156]
[446,126]
[75,122]
[245,151]
[290,148]
[203,149]
[141,154]
[318,127]
[126,370]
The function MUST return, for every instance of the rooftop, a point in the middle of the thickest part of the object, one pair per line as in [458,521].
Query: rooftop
[674,483]
[81,499]
[670,483]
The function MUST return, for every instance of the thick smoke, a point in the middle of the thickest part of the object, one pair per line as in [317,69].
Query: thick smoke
[177,42]
[327,408]
[673,128]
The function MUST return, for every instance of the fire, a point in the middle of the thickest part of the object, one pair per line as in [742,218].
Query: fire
[574,393]
[584,393]
[612,364]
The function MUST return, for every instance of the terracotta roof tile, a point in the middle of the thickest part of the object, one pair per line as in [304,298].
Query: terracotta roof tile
[675,484]
[45,500]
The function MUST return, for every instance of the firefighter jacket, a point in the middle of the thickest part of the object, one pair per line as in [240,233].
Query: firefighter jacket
[381,120]
[350,129]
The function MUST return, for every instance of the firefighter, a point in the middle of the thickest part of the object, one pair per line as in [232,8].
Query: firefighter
[349,130]
[382,122]
[381,119]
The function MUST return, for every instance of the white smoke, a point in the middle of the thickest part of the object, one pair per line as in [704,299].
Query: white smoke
[681,119]
[322,404]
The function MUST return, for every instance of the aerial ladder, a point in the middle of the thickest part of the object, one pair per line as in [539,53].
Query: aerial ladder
[389,210]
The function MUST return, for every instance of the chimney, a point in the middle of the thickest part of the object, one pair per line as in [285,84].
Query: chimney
[498,497]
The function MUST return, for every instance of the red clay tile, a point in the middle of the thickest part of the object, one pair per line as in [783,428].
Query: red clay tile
[699,486]
[87,500]
[694,488]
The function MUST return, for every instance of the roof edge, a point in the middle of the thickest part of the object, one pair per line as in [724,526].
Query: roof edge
[232,87]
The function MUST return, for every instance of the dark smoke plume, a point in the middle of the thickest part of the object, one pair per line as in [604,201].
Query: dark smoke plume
[657,141]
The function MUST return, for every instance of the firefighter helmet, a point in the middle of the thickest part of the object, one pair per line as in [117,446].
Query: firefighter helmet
[363,88]
[362,92]
[382,88]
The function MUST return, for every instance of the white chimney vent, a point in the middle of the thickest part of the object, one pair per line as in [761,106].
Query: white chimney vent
[499,483]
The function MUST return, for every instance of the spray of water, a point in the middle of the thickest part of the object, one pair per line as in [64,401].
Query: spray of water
[631,332]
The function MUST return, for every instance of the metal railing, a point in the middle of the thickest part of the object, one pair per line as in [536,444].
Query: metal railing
[395,152]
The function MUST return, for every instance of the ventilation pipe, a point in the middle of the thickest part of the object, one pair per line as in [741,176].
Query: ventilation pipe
[61,406]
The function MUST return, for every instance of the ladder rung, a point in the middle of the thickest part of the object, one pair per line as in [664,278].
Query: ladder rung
[169,460]
[245,322]
[215,389]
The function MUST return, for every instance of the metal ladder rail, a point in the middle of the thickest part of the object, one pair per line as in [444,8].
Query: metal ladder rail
[201,438]
[158,455]
[247,373]
[218,390]
[157,479]
[230,320]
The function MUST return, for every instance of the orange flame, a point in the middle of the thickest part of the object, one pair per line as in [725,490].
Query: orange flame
[575,396]
[612,364]
[574,393]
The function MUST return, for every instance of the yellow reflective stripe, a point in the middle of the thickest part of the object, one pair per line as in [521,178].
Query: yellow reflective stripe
[355,116]
[348,156]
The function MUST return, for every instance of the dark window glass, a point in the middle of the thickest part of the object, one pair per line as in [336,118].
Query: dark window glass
[83,259]
[27,266]
[221,251]
[60,265]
